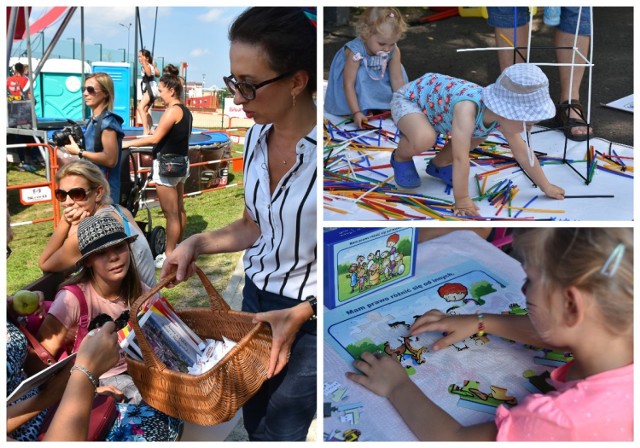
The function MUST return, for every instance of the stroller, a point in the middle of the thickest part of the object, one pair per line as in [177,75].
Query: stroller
[133,195]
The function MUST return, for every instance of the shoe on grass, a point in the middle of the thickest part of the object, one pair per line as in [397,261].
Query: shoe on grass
[159,261]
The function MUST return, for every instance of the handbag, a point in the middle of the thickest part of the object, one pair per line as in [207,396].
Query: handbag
[103,415]
[173,165]
[104,411]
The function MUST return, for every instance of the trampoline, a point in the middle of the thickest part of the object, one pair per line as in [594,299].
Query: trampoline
[204,146]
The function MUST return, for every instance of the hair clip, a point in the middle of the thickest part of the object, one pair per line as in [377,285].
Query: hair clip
[310,13]
[613,262]
[392,15]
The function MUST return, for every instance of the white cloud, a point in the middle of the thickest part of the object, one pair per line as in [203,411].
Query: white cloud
[197,52]
[213,15]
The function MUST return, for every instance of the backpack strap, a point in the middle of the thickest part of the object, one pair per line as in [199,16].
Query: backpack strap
[125,221]
[83,322]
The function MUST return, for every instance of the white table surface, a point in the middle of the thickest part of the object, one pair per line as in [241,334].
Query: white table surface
[378,420]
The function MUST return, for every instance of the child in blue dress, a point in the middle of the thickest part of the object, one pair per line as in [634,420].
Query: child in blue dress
[366,71]
[440,104]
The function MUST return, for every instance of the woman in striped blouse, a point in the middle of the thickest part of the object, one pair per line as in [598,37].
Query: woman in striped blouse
[273,76]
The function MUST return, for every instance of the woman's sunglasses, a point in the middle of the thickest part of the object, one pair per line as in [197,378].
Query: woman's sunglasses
[90,90]
[76,194]
[247,89]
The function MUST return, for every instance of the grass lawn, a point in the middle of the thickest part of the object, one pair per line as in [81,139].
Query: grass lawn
[205,212]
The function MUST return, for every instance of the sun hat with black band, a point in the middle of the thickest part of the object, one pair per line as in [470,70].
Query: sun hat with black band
[99,232]
[520,93]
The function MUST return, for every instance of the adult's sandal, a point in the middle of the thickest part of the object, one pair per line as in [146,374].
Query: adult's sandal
[568,124]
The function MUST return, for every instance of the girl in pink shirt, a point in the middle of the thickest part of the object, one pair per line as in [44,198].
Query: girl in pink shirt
[580,299]
[109,281]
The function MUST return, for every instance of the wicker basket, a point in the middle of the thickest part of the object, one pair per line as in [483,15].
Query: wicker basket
[215,396]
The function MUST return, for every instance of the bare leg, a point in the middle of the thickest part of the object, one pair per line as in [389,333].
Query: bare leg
[150,119]
[445,156]
[571,90]
[170,207]
[181,209]
[417,135]
[505,38]
[143,111]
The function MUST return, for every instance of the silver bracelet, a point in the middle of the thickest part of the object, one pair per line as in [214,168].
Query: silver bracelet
[89,374]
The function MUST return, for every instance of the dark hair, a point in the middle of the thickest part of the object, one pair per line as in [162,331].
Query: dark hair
[130,289]
[286,34]
[147,54]
[170,69]
[19,68]
[172,82]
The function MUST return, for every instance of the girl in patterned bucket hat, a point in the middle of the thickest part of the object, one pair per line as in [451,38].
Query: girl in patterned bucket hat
[109,283]
[439,104]
[98,233]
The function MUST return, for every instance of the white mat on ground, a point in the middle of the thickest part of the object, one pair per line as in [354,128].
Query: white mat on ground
[552,142]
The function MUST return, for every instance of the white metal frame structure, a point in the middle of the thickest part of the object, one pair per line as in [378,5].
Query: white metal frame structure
[578,60]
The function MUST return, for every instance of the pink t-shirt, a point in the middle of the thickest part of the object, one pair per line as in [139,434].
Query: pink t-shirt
[597,408]
[66,309]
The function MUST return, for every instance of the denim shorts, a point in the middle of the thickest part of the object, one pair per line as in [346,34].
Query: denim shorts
[402,106]
[167,181]
[502,17]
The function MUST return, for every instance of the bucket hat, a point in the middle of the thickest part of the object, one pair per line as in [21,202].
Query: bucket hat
[99,232]
[520,93]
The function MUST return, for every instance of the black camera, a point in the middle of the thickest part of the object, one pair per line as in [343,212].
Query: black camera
[61,137]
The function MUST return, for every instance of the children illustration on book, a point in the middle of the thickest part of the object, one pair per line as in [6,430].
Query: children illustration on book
[373,270]
[457,292]
[353,276]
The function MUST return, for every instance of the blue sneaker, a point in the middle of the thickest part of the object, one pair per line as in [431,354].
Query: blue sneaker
[444,173]
[405,173]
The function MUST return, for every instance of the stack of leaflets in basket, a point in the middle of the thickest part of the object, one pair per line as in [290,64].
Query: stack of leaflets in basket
[172,341]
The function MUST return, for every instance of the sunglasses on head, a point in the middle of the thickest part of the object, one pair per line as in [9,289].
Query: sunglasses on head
[247,89]
[90,90]
[76,194]
[103,318]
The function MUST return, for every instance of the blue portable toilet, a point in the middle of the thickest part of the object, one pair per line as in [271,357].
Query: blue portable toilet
[58,89]
[121,75]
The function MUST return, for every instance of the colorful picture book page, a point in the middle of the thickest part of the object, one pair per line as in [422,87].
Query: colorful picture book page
[366,324]
[366,261]
[468,379]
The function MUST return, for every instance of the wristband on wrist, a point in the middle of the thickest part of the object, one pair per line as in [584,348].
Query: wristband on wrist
[357,112]
[89,375]
[481,331]
[313,301]
[80,153]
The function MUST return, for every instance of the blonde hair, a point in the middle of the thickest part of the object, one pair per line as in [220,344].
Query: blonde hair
[575,257]
[106,85]
[372,19]
[89,171]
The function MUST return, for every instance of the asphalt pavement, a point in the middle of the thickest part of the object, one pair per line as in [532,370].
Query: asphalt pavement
[431,47]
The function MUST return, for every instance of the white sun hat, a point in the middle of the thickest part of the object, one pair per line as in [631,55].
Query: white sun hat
[520,93]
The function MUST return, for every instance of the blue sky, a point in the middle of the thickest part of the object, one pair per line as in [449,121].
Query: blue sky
[194,35]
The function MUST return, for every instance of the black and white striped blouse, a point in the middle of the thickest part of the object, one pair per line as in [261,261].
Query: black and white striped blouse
[283,259]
